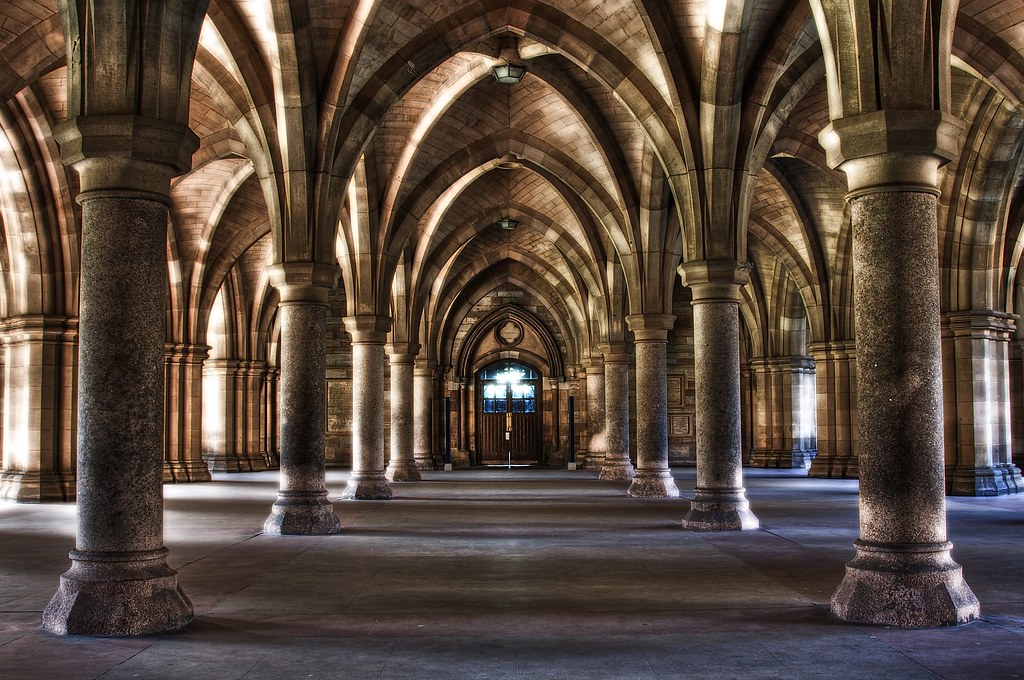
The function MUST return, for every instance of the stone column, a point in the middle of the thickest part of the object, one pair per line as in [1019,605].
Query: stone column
[221,428]
[617,465]
[40,362]
[119,582]
[835,371]
[977,400]
[719,501]
[653,479]
[183,412]
[597,441]
[785,430]
[253,375]
[369,333]
[402,466]
[423,416]
[302,507]
[903,573]
[270,446]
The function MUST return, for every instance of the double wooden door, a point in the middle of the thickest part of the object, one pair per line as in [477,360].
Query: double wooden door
[509,422]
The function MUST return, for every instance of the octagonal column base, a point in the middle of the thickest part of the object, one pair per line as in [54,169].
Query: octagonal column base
[302,514]
[367,487]
[720,510]
[908,586]
[617,470]
[118,593]
[405,471]
[653,484]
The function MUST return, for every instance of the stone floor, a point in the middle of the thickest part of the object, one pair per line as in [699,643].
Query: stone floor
[517,574]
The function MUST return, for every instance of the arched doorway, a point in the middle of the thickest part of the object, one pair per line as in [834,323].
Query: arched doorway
[510,430]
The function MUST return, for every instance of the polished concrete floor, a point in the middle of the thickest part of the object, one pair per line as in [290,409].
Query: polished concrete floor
[517,574]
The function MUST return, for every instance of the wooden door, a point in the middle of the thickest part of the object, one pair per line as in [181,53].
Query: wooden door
[509,422]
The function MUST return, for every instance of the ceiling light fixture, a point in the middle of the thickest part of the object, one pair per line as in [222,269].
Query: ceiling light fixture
[510,70]
[508,224]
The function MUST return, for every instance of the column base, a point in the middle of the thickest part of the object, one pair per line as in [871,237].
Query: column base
[367,488]
[425,462]
[300,513]
[403,472]
[36,487]
[132,593]
[617,470]
[720,510]
[997,480]
[593,461]
[788,459]
[823,467]
[176,472]
[905,585]
[653,484]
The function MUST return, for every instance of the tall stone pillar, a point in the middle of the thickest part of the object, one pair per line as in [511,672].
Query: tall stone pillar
[653,479]
[119,582]
[617,465]
[402,465]
[423,416]
[302,507]
[597,440]
[784,427]
[183,412]
[835,371]
[903,573]
[720,501]
[977,400]
[369,333]
[40,362]
[253,375]
[270,443]
[221,429]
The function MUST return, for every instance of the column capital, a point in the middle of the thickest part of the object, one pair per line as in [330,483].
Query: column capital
[650,327]
[616,353]
[303,282]
[593,364]
[402,352]
[368,328]
[981,324]
[892,150]
[424,367]
[122,153]
[715,280]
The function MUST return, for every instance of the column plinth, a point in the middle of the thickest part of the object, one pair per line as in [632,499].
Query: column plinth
[719,501]
[903,573]
[617,465]
[302,507]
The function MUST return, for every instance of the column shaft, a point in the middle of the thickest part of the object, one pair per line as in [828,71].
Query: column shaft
[368,481]
[720,501]
[653,478]
[302,506]
[903,573]
[597,441]
[423,418]
[119,582]
[402,465]
[617,465]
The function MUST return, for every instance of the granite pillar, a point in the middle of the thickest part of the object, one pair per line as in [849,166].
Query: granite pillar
[423,416]
[617,465]
[368,481]
[302,506]
[720,501]
[903,573]
[976,395]
[835,371]
[40,362]
[119,582]
[652,479]
[597,440]
[402,463]
[183,413]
